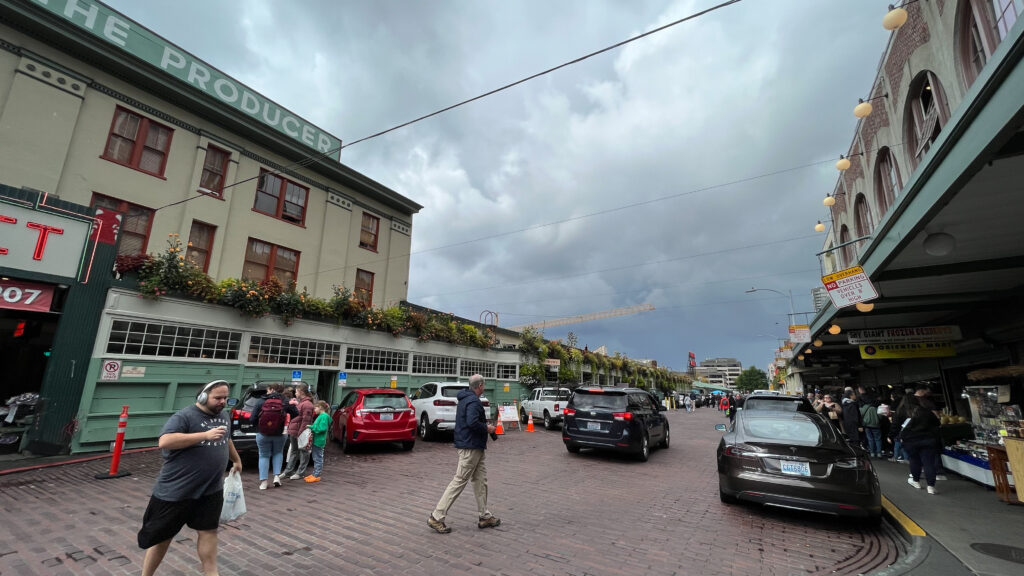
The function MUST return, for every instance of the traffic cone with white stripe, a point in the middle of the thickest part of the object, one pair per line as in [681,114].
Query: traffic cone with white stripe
[529,423]
[500,430]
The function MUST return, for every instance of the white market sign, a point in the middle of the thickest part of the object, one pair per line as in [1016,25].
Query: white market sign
[121,32]
[800,333]
[905,335]
[847,287]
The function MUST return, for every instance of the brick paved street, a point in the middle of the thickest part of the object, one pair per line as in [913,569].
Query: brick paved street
[561,514]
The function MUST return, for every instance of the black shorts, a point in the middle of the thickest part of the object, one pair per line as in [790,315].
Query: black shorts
[164,519]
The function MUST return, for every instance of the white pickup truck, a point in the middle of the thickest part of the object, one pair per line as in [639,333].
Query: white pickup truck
[545,404]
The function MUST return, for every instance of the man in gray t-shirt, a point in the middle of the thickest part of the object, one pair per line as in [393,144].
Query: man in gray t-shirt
[196,445]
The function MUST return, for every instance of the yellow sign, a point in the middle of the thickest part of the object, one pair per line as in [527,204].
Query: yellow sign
[506,387]
[842,274]
[908,350]
[394,381]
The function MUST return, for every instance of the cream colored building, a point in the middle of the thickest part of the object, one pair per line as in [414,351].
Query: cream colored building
[102,112]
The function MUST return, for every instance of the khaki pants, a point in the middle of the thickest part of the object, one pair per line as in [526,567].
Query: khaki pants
[471,468]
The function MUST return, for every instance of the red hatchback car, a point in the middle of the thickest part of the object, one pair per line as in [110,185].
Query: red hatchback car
[374,415]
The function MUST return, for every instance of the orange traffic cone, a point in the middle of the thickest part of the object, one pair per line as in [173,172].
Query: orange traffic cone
[500,430]
[529,423]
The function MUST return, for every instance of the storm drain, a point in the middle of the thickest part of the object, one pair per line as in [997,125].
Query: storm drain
[1001,551]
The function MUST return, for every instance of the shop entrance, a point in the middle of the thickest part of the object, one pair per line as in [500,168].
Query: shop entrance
[25,342]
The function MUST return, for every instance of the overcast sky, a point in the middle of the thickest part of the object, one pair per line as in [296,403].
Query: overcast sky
[611,183]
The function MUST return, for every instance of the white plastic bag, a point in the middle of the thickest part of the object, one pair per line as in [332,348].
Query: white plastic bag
[305,437]
[234,500]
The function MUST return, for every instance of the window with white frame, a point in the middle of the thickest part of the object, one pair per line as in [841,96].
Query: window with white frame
[172,340]
[469,367]
[274,350]
[439,365]
[508,371]
[370,359]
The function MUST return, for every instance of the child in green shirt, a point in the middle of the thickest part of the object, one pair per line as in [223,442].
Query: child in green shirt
[320,424]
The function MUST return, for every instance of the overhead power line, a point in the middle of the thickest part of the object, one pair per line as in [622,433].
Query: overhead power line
[317,157]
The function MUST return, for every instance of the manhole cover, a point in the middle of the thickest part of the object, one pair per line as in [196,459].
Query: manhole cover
[1001,551]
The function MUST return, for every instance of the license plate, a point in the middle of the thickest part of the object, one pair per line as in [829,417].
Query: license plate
[387,416]
[796,468]
[593,425]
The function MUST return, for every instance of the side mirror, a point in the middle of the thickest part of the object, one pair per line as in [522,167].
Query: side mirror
[232,402]
[720,427]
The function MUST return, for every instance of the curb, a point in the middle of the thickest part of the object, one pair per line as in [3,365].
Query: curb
[62,462]
[918,543]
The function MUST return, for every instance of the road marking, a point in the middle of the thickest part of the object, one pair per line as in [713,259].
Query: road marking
[909,525]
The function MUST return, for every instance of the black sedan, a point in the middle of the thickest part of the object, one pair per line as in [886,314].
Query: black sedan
[796,460]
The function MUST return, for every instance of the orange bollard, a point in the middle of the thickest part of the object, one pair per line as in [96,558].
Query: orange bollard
[529,423]
[115,462]
[500,430]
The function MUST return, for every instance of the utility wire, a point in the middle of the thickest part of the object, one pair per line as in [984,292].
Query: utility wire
[317,157]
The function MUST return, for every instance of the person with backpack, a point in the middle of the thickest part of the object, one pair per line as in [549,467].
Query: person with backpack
[872,425]
[268,416]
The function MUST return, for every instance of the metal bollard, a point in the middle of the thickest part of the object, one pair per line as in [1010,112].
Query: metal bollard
[115,462]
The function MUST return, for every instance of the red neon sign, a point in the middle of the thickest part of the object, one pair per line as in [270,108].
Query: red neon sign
[44,234]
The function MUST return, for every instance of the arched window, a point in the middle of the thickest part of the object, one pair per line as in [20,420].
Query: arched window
[927,112]
[848,252]
[887,181]
[862,214]
[982,25]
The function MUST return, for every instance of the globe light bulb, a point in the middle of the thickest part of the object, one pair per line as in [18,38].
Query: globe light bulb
[862,109]
[895,18]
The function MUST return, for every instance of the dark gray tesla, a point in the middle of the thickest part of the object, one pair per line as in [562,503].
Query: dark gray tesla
[795,460]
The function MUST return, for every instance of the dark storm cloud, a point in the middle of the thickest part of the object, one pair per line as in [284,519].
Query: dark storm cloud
[749,90]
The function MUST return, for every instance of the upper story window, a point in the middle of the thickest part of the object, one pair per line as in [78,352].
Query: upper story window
[364,287]
[862,213]
[981,26]
[1005,12]
[264,260]
[138,142]
[887,181]
[281,198]
[200,244]
[848,254]
[926,115]
[215,169]
[368,234]
[136,222]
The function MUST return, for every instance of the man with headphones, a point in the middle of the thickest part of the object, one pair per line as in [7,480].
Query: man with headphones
[196,446]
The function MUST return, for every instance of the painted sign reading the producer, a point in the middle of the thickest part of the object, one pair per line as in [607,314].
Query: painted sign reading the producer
[137,40]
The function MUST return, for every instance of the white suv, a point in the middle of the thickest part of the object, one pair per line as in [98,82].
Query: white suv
[435,403]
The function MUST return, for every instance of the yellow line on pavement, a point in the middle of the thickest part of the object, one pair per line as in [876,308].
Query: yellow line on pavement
[909,525]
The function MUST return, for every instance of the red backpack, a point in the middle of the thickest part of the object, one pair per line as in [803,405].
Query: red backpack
[271,417]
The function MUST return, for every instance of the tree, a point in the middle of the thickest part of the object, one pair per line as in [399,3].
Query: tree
[751,379]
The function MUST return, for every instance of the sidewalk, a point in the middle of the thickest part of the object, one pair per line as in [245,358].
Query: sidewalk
[961,514]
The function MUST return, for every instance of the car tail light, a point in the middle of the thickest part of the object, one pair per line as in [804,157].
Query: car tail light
[486,403]
[445,403]
[556,407]
[595,390]
[741,451]
[240,414]
[622,416]
[854,463]
[569,412]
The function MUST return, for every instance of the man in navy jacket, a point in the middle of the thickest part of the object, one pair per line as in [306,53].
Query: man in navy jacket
[471,430]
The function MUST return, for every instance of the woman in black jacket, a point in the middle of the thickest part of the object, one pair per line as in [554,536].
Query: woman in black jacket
[921,441]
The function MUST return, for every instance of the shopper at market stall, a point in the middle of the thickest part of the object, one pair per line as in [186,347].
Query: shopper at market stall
[852,424]
[921,440]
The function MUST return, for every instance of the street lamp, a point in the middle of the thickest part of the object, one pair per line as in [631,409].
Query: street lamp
[792,314]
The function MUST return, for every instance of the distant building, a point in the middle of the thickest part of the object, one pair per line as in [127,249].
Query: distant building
[719,371]
[820,297]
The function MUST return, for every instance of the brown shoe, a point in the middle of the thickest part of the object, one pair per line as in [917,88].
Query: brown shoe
[438,525]
[489,522]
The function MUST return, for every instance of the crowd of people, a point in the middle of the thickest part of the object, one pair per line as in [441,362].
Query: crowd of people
[908,433]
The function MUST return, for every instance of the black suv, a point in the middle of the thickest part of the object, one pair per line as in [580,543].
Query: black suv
[621,419]
[243,431]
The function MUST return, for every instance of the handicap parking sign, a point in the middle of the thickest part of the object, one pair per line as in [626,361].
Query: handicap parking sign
[296,374]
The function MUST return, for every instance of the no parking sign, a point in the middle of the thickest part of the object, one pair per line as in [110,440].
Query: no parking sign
[111,371]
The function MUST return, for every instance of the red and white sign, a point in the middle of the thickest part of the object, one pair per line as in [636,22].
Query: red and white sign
[111,371]
[25,296]
[41,242]
[847,287]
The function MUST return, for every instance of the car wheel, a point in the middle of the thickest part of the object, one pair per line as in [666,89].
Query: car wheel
[522,416]
[725,498]
[548,422]
[664,443]
[346,446]
[645,449]
[408,445]
[572,448]
[426,431]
